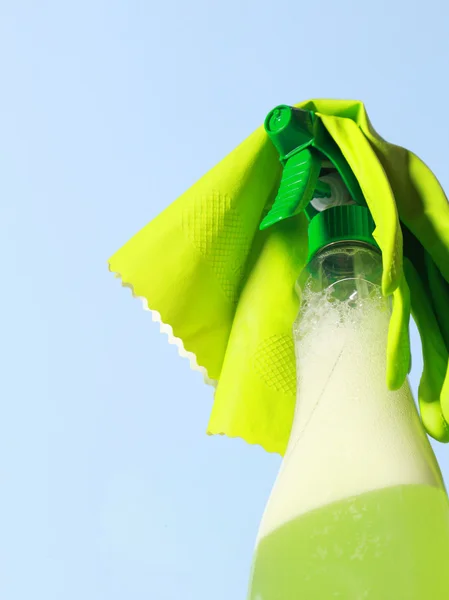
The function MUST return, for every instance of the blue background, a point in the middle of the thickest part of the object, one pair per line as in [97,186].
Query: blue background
[108,111]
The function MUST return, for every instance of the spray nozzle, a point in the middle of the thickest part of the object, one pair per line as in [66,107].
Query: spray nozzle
[304,147]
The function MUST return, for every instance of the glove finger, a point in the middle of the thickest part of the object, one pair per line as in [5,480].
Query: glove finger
[435,357]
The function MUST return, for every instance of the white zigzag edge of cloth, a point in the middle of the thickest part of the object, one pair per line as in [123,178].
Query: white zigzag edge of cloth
[175,341]
[168,331]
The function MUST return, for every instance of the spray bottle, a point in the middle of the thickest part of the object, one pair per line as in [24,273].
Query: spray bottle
[359,508]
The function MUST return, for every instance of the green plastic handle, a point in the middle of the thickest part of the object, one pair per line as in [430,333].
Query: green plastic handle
[298,184]
[303,143]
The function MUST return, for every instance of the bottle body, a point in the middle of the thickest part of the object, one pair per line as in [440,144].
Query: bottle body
[359,508]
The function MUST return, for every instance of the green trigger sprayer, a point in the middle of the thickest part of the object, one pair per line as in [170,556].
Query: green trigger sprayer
[307,150]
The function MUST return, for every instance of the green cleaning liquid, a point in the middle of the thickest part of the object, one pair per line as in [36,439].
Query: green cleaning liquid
[378,546]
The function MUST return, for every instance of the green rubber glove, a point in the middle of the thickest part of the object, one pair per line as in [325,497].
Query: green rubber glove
[224,291]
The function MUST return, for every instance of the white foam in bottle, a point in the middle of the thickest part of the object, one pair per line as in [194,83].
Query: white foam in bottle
[350,434]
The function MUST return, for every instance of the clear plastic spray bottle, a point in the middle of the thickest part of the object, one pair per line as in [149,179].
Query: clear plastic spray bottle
[359,509]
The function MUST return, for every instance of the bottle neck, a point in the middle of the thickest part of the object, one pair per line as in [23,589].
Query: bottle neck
[342,328]
[340,269]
